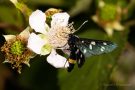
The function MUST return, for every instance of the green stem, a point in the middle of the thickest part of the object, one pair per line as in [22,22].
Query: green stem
[22,7]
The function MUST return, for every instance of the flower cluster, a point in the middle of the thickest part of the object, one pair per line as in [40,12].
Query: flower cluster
[49,32]
[16,51]
[108,16]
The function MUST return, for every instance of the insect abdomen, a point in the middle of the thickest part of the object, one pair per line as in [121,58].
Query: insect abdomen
[71,64]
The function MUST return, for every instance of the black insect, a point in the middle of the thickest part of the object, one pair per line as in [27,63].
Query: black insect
[81,47]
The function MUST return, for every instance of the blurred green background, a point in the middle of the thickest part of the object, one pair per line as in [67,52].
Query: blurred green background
[112,71]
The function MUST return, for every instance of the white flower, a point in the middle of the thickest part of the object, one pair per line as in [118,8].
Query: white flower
[40,43]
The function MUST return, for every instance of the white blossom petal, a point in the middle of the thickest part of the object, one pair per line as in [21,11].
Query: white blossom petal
[9,37]
[118,26]
[25,33]
[35,43]
[60,19]
[101,4]
[109,31]
[37,21]
[95,18]
[57,60]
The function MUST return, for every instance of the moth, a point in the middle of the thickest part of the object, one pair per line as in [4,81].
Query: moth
[82,47]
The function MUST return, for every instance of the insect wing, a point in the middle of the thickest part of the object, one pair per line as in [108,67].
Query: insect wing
[80,58]
[91,47]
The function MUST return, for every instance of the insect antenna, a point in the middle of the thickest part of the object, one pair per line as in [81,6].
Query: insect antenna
[81,25]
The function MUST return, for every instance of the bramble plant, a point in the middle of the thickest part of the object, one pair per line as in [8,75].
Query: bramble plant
[71,37]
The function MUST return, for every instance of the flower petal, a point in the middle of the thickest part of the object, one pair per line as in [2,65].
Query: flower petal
[9,37]
[25,33]
[35,43]
[117,26]
[57,60]
[60,19]
[37,21]
[101,4]
[95,18]
[109,31]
